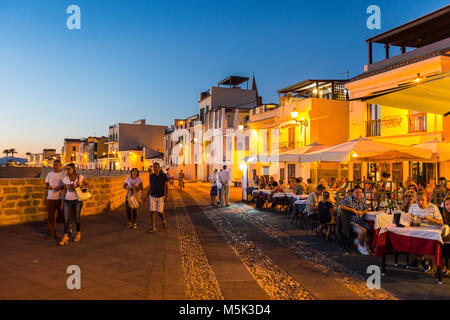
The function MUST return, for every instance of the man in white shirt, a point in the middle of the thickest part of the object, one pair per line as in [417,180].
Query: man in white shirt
[424,211]
[54,186]
[224,179]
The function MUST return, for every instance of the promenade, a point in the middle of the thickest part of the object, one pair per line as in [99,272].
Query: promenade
[234,252]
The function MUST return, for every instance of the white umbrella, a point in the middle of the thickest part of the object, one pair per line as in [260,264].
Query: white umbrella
[365,149]
[440,150]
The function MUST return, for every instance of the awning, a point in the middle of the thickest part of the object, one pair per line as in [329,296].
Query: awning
[294,155]
[430,94]
[256,159]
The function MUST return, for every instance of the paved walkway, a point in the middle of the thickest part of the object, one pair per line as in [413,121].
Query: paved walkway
[235,252]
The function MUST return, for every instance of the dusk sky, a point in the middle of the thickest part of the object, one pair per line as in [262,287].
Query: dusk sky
[150,59]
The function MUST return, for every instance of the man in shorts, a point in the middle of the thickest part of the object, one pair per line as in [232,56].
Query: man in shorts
[159,192]
[356,206]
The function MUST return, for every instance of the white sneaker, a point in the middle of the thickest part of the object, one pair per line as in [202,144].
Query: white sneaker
[362,250]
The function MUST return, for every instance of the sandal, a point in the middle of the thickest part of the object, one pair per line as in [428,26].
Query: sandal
[151,230]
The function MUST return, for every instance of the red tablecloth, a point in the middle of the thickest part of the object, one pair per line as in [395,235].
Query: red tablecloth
[389,241]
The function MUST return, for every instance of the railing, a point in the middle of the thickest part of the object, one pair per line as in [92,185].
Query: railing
[417,122]
[375,192]
[373,128]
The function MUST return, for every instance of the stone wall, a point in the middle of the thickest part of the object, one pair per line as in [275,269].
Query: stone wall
[23,200]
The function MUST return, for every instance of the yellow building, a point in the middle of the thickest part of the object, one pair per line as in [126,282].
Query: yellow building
[312,111]
[429,40]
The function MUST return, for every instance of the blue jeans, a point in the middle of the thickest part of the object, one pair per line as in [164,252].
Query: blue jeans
[72,208]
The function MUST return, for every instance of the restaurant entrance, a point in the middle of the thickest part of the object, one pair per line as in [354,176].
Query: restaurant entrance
[422,172]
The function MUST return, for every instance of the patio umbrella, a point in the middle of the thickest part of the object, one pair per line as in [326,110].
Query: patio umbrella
[440,150]
[366,150]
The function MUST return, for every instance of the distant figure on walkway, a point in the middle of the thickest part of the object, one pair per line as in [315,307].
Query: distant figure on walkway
[159,192]
[213,193]
[219,187]
[170,175]
[72,206]
[225,179]
[54,185]
[133,184]
[181,179]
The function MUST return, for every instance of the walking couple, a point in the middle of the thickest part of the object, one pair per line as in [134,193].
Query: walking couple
[220,185]
[62,199]
[159,191]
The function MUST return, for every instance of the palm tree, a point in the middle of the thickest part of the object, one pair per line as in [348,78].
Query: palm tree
[6,151]
[12,151]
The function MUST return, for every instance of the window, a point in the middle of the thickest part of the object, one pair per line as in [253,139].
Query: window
[291,170]
[373,123]
[417,122]
[292,137]
[74,148]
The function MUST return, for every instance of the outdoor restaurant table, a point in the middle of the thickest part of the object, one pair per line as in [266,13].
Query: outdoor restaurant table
[379,219]
[299,206]
[416,240]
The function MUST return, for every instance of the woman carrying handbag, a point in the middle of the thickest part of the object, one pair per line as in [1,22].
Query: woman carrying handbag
[72,204]
[133,184]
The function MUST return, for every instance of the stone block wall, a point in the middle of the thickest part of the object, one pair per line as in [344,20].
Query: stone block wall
[23,200]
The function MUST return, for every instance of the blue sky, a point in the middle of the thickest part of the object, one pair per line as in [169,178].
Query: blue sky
[150,59]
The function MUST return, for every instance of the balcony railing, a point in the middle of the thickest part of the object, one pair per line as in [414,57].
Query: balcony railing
[417,122]
[373,128]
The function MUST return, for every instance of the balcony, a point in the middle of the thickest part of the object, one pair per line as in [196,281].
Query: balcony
[417,122]
[264,112]
[373,128]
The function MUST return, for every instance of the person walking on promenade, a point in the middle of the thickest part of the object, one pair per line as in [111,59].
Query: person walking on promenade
[170,175]
[72,206]
[181,179]
[133,184]
[213,193]
[224,178]
[219,187]
[54,186]
[159,192]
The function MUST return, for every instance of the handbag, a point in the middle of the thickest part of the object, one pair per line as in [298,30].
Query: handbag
[82,194]
[134,200]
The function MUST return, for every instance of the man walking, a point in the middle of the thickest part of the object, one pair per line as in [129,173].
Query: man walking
[224,179]
[159,192]
[54,185]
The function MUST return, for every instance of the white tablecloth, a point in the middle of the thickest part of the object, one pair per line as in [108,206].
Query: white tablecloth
[432,233]
[300,201]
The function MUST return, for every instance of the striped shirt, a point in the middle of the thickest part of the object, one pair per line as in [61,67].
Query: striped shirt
[430,212]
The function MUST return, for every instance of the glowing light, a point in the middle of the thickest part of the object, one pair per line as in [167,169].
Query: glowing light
[315,91]
[243,166]
[195,139]
[354,155]
[254,133]
[241,127]
[294,114]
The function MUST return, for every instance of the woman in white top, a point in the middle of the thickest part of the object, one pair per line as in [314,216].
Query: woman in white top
[213,193]
[72,206]
[133,185]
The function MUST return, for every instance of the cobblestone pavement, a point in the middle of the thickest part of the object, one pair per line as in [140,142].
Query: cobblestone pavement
[234,252]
